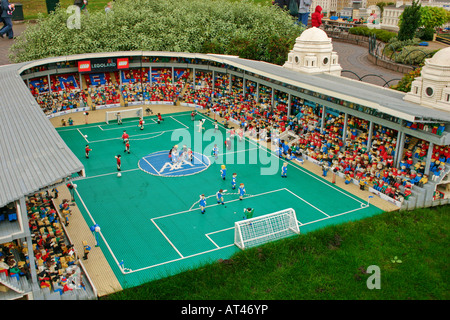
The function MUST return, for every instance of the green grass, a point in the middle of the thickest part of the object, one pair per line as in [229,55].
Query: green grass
[329,263]
[32,8]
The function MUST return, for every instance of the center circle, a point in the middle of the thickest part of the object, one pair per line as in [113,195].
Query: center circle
[160,164]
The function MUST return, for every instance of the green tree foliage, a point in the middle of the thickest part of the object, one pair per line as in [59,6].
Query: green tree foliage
[259,32]
[409,21]
[433,17]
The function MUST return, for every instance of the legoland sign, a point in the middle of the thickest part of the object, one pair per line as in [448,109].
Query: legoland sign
[102,65]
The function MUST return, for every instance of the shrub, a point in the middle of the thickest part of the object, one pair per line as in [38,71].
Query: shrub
[215,26]
[425,34]
[404,84]
[382,35]
[411,55]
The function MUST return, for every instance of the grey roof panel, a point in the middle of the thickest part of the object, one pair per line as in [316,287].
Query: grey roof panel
[32,154]
[351,90]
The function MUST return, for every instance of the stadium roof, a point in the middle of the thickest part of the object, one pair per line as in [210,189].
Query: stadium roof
[382,99]
[32,154]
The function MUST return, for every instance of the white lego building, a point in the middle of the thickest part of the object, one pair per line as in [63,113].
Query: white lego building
[313,53]
[432,88]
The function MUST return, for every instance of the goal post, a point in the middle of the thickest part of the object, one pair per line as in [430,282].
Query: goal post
[125,114]
[270,227]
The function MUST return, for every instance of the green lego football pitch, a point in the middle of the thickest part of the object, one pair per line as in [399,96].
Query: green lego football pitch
[151,223]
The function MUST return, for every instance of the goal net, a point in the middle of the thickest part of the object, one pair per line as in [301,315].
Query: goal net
[125,114]
[270,227]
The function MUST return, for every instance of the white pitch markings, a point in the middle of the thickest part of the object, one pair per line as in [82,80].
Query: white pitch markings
[170,242]
[84,137]
[306,201]
[180,122]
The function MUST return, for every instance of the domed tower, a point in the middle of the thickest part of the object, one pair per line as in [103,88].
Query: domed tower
[313,53]
[432,88]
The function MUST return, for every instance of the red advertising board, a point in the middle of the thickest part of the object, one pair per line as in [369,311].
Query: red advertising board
[84,66]
[123,63]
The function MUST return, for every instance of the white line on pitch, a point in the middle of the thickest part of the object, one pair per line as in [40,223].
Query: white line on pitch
[179,259]
[120,127]
[329,217]
[107,174]
[211,240]
[306,201]
[156,171]
[100,232]
[179,122]
[83,135]
[222,154]
[303,170]
[173,246]
[213,205]
[138,135]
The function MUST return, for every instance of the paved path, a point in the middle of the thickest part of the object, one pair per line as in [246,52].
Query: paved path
[6,43]
[354,58]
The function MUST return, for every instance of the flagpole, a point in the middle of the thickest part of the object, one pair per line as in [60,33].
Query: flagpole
[368,200]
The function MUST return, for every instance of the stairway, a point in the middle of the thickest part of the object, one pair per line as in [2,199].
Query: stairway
[18,288]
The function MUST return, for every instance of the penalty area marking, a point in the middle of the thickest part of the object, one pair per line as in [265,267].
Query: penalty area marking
[297,167]
[207,235]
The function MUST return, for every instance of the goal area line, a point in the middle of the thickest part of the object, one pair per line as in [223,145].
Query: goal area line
[209,234]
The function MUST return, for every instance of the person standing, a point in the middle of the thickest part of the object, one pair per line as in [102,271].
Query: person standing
[303,12]
[241,191]
[316,17]
[127,146]
[125,136]
[233,181]
[284,170]
[248,213]
[6,10]
[118,161]
[283,4]
[87,150]
[202,203]
[219,197]
[223,172]
[81,3]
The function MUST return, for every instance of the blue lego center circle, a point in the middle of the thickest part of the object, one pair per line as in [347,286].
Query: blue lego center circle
[160,164]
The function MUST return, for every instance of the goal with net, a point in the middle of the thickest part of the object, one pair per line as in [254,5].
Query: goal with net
[270,227]
[124,114]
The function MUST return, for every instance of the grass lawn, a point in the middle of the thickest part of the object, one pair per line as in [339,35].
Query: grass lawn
[410,248]
[31,8]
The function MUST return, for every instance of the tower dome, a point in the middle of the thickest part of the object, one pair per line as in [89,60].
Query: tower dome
[441,58]
[314,34]
[432,88]
[313,53]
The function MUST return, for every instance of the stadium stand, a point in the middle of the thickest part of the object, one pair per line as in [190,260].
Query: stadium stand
[362,132]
